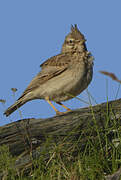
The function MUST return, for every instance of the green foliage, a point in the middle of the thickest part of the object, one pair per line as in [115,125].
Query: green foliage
[6,163]
[66,160]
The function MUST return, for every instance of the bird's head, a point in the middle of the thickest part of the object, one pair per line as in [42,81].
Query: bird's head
[74,41]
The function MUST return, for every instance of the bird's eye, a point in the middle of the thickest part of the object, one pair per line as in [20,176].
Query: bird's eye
[70,41]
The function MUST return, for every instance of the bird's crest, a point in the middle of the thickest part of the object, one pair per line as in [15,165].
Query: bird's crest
[75,33]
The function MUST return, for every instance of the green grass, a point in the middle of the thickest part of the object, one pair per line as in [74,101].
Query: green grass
[66,161]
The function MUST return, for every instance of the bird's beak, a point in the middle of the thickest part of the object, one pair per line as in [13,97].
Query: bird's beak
[83,41]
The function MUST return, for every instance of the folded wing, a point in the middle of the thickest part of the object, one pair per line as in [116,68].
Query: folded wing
[50,68]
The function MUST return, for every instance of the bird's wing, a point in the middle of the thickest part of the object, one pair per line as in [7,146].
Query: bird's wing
[57,61]
[50,68]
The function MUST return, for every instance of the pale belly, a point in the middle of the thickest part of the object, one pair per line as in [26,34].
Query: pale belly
[65,86]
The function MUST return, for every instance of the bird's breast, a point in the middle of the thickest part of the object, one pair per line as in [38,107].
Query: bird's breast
[68,84]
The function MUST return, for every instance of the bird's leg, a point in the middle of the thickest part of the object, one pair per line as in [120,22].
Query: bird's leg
[57,112]
[63,106]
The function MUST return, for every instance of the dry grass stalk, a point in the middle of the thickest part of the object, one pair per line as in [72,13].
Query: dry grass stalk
[112,75]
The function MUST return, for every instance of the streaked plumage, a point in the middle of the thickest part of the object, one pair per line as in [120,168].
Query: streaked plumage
[69,72]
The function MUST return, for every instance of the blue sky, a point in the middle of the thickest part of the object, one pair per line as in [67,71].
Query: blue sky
[32,31]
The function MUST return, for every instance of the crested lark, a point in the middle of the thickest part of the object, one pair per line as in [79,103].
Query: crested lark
[63,75]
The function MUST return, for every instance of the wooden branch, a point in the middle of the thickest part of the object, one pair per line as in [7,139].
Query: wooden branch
[24,136]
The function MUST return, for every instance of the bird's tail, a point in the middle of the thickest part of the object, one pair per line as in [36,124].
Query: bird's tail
[14,107]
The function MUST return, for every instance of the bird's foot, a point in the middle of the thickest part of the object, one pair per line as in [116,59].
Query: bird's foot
[62,113]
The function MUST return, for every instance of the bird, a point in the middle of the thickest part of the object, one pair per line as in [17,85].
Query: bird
[62,76]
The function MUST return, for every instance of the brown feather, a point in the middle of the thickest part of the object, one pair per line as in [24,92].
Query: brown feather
[58,65]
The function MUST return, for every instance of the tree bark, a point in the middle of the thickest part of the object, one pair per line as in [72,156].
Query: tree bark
[25,136]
